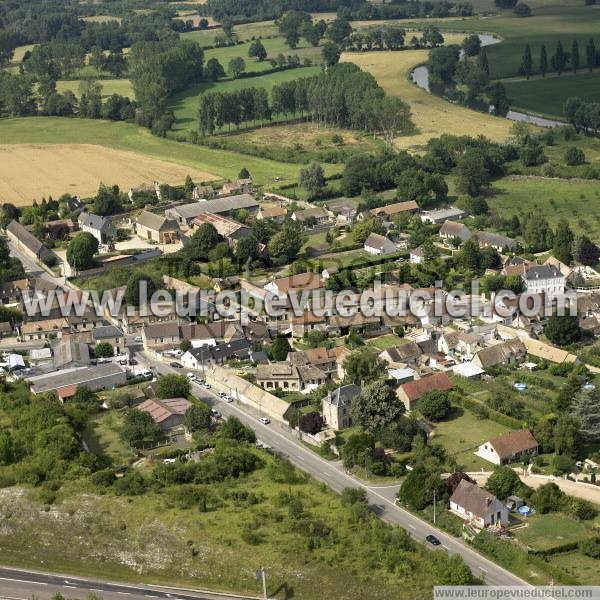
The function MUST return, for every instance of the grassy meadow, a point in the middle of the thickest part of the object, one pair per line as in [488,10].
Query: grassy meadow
[126,136]
[185,104]
[578,201]
[547,96]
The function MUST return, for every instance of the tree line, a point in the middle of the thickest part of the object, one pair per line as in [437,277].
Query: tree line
[561,61]
[343,96]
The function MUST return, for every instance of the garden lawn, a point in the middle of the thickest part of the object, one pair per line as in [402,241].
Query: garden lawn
[548,96]
[102,436]
[577,201]
[462,433]
[185,104]
[126,136]
[550,530]
[387,341]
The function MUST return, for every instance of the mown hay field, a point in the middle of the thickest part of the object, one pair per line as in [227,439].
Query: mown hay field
[431,115]
[32,171]
[131,138]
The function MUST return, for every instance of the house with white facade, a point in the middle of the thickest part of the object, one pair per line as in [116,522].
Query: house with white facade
[478,507]
[379,244]
[544,279]
[511,447]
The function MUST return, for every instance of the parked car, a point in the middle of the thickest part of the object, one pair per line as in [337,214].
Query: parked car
[176,365]
[206,386]
[265,420]
[227,398]
[191,377]
[433,540]
[215,413]
[221,394]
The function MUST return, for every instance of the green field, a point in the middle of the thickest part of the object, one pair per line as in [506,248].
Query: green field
[244,32]
[462,433]
[582,567]
[122,87]
[185,104]
[577,201]
[273,46]
[126,136]
[548,96]
[551,21]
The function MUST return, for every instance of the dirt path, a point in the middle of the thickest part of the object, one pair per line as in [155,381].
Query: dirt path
[579,490]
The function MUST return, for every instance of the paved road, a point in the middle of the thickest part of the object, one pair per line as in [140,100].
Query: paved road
[17,584]
[381,498]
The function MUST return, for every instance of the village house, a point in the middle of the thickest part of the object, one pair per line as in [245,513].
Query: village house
[451,230]
[314,216]
[230,230]
[511,352]
[302,325]
[235,349]
[240,186]
[342,210]
[295,283]
[100,227]
[443,214]
[186,213]
[203,192]
[411,392]
[417,256]
[544,279]
[400,356]
[109,334]
[379,244]
[367,326]
[511,447]
[156,228]
[43,329]
[478,507]
[271,212]
[27,243]
[459,343]
[501,243]
[134,322]
[329,360]
[388,212]
[336,406]
[161,336]
[168,413]
[289,377]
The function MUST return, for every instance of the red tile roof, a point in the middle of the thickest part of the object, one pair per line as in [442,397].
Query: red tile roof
[415,389]
[513,442]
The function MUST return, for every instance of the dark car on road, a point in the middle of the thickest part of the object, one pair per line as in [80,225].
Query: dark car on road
[433,540]
[176,365]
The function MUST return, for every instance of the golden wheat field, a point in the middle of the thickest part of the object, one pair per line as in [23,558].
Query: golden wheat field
[33,171]
[431,115]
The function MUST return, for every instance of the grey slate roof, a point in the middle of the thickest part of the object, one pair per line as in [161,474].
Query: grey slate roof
[93,221]
[344,395]
[542,272]
[156,222]
[106,332]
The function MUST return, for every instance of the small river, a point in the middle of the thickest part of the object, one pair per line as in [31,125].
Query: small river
[420,77]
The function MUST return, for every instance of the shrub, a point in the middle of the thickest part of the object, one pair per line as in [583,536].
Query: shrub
[574,156]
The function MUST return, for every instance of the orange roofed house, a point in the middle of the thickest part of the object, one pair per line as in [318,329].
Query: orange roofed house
[411,392]
[167,414]
[508,448]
